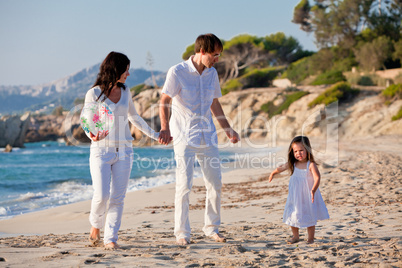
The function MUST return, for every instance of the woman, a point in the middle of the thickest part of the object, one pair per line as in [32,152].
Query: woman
[111,154]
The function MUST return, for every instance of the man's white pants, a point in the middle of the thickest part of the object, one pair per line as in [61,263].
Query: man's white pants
[208,159]
[110,171]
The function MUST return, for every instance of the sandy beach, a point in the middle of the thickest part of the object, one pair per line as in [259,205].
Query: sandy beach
[363,194]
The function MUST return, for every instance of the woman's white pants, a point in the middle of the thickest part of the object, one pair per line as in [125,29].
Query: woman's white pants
[208,158]
[110,170]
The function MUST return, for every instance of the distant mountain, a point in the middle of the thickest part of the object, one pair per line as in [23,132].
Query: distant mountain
[17,99]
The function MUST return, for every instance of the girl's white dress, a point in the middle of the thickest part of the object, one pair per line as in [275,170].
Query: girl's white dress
[299,211]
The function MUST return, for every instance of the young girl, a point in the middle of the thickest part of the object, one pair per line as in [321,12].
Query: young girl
[304,205]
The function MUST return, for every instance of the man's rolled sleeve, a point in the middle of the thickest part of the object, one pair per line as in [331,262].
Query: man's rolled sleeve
[172,85]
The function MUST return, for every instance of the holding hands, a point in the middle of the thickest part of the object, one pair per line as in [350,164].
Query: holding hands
[164,137]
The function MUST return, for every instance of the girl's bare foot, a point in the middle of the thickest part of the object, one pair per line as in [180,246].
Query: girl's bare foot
[293,240]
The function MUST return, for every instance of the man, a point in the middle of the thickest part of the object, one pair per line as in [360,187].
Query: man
[194,87]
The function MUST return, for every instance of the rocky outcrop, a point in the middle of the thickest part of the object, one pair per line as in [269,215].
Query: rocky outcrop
[13,130]
[147,105]
[366,115]
[44,128]
[52,127]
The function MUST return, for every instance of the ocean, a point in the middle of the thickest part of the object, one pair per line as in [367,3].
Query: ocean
[48,174]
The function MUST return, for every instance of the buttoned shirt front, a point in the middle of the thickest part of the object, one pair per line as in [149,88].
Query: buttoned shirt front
[192,95]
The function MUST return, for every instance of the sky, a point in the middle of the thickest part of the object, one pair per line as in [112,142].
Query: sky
[44,40]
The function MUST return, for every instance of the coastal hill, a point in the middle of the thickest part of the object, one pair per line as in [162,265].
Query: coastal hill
[62,92]
[368,114]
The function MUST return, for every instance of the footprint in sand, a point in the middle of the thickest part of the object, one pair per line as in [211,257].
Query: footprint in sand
[90,261]
[98,255]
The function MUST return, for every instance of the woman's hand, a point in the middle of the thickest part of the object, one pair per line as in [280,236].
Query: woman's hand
[99,136]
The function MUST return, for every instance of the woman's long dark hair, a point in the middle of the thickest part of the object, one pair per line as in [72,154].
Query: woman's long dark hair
[111,69]
[291,156]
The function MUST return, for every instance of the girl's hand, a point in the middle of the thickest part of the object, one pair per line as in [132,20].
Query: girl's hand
[99,136]
[271,176]
[312,196]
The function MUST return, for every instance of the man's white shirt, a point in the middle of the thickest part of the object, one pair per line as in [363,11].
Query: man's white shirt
[191,121]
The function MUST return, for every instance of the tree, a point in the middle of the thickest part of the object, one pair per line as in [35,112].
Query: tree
[386,19]
[189,51]
[283,50]
[238,57]
[301,15]
[339,22]
[246,52]
[371,56]
[397,55]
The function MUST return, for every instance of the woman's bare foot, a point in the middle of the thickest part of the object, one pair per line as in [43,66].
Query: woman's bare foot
[94,236]
[112,245]
[293,240]
[182,242]
[219,238]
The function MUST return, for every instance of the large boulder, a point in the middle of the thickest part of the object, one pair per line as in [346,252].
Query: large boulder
[13,130]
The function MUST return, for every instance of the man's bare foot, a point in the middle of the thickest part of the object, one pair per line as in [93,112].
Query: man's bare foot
[219,238]
[182,242]
[112,245]
[310,241]
[293,240]
[94,236]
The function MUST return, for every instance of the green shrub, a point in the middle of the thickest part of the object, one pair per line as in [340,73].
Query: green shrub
[135,90]
[79,101]
[365,81]
[329,78]
[341,91]
[273,110]
[393,91]
[252,78]
[291,89]
[380,81]
[189,51]
[398,115]
[298,71]
[398,78]
[231,85]
[58,111]
[259,77]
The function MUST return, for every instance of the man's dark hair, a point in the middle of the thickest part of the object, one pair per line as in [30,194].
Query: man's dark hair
[208,43]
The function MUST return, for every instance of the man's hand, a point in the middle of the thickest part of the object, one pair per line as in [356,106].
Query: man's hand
[164,137]
[99,136]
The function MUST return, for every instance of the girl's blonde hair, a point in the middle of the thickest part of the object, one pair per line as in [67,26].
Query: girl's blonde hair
[291,156]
